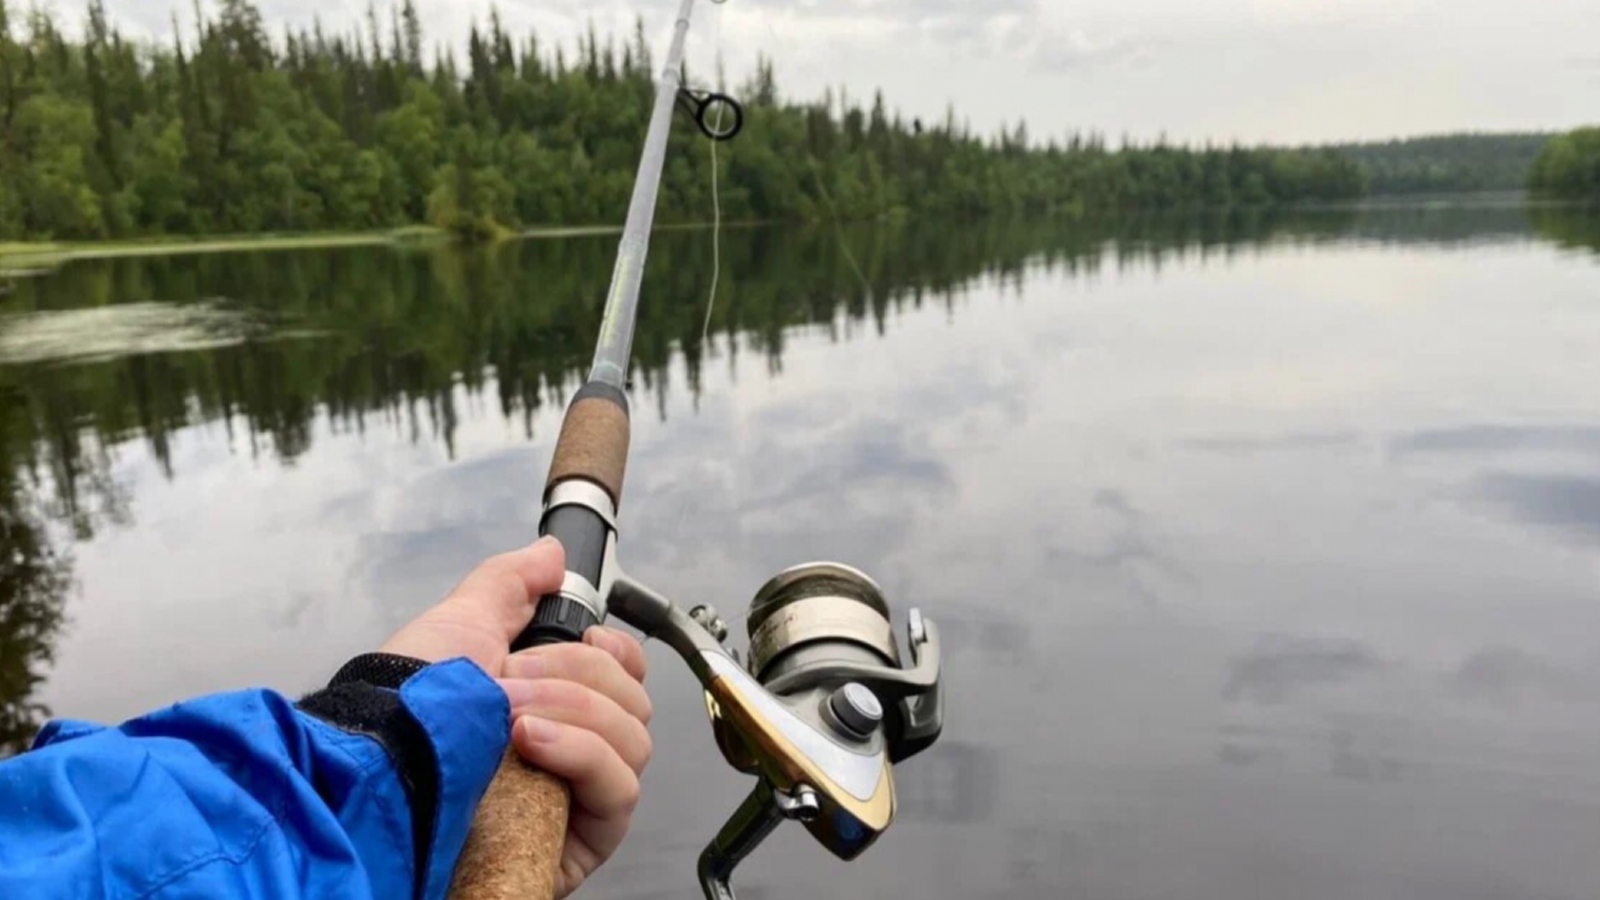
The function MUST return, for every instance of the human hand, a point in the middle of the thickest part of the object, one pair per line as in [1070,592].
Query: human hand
[487,610]
[579,711]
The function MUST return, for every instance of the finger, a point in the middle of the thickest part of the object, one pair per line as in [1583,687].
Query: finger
[586,665]
[621,645]
[573,704]
[507,587]
[604,790]
[602,784]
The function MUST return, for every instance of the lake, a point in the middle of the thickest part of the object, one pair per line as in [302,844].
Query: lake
[1266,549]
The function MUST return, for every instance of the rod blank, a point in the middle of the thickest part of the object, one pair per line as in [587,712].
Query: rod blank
[611,355]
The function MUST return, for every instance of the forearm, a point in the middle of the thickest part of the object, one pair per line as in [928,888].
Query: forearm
[365,789]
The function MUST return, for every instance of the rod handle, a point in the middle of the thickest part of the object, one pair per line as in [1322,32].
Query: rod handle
[594,440]
[514,849]
[592,449]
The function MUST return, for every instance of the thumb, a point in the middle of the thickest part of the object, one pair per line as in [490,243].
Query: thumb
[487,610]
[502,591]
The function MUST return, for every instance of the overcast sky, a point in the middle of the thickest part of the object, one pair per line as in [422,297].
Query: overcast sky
[1253,70]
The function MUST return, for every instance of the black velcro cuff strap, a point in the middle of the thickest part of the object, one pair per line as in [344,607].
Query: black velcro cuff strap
[364,698]
[385,670]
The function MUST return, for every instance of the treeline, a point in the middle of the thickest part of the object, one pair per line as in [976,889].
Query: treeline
[1568,168]
[227,129]
[1446,163]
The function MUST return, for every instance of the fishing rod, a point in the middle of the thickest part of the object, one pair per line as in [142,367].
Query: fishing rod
[824,706]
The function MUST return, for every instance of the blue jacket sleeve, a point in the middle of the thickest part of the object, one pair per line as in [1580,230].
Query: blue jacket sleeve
[362,791]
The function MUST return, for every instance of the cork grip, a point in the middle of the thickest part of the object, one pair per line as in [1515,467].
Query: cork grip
[514,849]
[593,445]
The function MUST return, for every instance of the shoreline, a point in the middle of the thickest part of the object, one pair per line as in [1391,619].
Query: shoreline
[22,259]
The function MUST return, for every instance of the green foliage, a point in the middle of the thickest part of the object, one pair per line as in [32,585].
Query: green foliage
[33,585]
[34,578]
[50,177]
[225,131]
[1568,168]
[1447,163]
[1573,226]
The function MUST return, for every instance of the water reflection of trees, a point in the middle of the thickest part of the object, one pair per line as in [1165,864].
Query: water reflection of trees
[1574,227]
[398,332]
[34,577]
[393,339]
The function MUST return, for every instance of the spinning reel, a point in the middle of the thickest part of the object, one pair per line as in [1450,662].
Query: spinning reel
[820,715]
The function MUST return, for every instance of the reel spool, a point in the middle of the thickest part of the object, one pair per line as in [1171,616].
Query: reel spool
[821,603]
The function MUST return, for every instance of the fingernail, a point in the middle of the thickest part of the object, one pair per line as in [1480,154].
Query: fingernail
[546,541]
[540,731]
[519,693]
[526,666]
[602,639]
[610,642]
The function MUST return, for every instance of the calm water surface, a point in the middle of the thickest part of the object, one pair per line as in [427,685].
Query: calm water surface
[1267,552]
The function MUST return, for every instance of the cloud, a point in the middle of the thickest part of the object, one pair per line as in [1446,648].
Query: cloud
[1499,439]
[1539,475]
[1318,13]
[1074,49]
[1353,757]
[1128,558]
[1502,675]
[1588,65]
[1569,504]
[953,783]
[996,639]
[1027,32]
[1289,441]
[443,524]
[1281,665]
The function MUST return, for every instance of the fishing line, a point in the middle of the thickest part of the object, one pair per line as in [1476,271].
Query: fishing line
[716,197]
[761,10]
[838,226]
[699,105]
[716,237]
[816,173]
